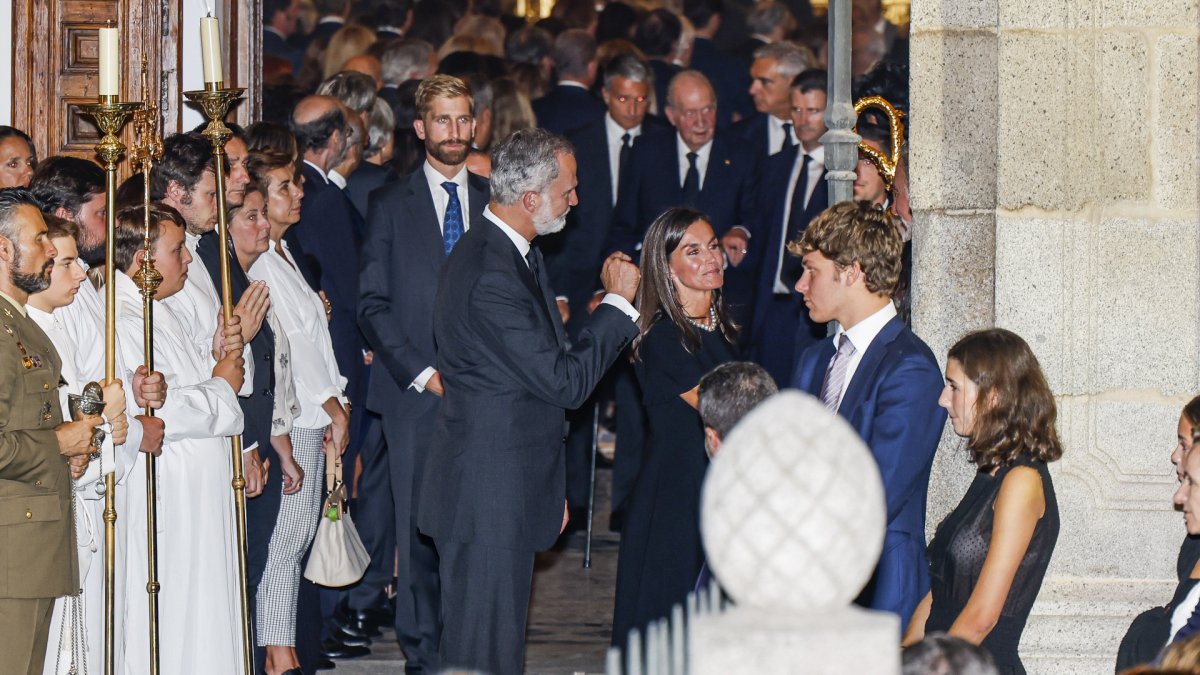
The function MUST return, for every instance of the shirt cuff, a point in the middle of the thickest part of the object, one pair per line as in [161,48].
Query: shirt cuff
[745,232]
[621,304]
[561,298]
[422,379]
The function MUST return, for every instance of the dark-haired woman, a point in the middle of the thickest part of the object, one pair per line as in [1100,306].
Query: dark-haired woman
[685,332]
[18,159]
[989,556]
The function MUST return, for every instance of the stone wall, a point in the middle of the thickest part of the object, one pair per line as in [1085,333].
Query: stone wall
[1054,183]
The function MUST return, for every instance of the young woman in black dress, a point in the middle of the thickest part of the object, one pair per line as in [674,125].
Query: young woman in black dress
[685,332]
[989,556]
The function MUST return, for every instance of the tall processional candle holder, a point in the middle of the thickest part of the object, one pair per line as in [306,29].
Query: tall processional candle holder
[147,147]
[110,115]
[214,101]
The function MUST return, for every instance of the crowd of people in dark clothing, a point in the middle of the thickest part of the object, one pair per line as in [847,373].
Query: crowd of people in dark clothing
[660,175]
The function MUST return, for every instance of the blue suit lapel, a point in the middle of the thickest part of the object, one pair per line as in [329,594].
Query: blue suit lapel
[810,374]
[865,373]
[430,230]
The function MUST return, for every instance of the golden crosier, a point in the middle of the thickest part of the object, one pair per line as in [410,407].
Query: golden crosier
[886,164]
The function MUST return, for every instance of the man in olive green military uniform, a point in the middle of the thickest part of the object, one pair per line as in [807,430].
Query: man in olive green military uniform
[39,453]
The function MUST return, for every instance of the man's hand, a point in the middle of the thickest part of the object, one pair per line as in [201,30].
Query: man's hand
[735,242]
[228,338]
[232,369]
[328,307]
[564,310]
[368,357]
[619,275]
[153,430]
[75,438]
[434,385]
[78,465]
[256,475]
[252,309]
[597,297]
[566,517]
[149,388]
[114,410]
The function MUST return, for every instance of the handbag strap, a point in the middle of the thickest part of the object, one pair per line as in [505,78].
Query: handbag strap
[333,468]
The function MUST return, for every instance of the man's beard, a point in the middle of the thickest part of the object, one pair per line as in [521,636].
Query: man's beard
[449,157]
[30,283]
[92,255]
[544,223]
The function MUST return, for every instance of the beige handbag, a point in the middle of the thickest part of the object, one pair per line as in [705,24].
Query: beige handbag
[338,557]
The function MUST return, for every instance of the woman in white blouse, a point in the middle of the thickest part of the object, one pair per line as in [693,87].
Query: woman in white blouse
[320,424]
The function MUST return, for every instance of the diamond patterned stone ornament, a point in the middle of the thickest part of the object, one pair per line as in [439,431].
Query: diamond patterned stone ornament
[793,511]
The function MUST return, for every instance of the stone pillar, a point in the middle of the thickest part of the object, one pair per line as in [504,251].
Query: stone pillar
[1054,179]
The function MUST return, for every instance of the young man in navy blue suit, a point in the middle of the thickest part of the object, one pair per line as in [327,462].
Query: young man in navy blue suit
[412,225]
[771,74]
[877,375]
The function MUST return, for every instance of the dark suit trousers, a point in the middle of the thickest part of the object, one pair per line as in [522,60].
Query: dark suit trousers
[25,629]
[485,606]
[418,606]
[375,517]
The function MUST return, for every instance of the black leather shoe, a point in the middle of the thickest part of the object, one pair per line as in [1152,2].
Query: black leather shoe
[348,639]
[326,664]
[351,630]
[332,649]
[356,622]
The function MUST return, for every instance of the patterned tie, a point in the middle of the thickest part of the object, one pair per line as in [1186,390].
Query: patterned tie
[787,137]
[691,182]
[835,375]
[452,226]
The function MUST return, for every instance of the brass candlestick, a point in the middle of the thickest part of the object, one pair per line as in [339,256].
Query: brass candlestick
[110,115]
[214,101]
[147,147]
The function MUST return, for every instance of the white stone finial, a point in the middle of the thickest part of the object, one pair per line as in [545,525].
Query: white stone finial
[793,512]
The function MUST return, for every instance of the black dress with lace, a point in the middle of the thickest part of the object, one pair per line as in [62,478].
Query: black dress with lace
[956,557]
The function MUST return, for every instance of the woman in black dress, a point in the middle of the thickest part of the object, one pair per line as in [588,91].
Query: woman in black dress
[685,332]
[989,556]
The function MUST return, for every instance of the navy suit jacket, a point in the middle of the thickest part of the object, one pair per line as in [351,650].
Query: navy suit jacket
[402,257]
[768,232]
[330,241]
[495,475]
[273,44]
[892,404]
[753,132]
[727,195]
[730,76]
[367,178]
[566,108]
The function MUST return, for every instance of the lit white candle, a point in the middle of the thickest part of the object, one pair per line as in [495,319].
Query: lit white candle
[210,49]
[110,63]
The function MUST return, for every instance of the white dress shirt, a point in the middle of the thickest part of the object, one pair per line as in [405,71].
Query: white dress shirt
[816,167]
[775,134]
[861,335]
[614,132]
[441,202]
[301,313]
[702,156]
[523,247]
[336,178]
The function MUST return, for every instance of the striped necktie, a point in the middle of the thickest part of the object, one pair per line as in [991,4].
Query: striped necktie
[835,375]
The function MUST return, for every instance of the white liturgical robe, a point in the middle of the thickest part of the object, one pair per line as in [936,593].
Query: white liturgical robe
[199,604]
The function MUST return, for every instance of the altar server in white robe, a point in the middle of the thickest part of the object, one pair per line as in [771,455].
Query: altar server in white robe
[199,604]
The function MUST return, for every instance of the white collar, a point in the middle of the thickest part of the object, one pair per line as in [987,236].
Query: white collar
[320,171]
[333,18]
[617,131]
[701,153]
[435,179]
[572,83]
[272,29]
[337,179]
[863,333]
[520,242]
[818,155]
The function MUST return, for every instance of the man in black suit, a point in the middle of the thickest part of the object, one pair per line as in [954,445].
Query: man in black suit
[332,16]
[411,227]
[493,490]
[729,74]
[775,66]
[279,24]
[374,171]
[793,192]
[700,167]
[569,105]
[604,150]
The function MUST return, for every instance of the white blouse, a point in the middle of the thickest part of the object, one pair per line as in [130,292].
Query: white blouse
[301,314]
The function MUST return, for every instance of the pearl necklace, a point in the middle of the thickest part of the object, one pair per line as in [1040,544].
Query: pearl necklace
[712,320]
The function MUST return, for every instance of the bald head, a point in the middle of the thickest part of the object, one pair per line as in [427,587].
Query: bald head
[692,108]
[367,65]
[690,83]
[320,128]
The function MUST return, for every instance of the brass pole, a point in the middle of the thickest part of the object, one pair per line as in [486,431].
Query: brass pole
[147,147]
[214,101]
[110,115]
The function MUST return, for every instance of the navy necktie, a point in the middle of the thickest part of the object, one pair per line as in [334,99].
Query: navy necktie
[691,182]
[787,136]
[452,226]
[791,268]
[533,257]
[623,158]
